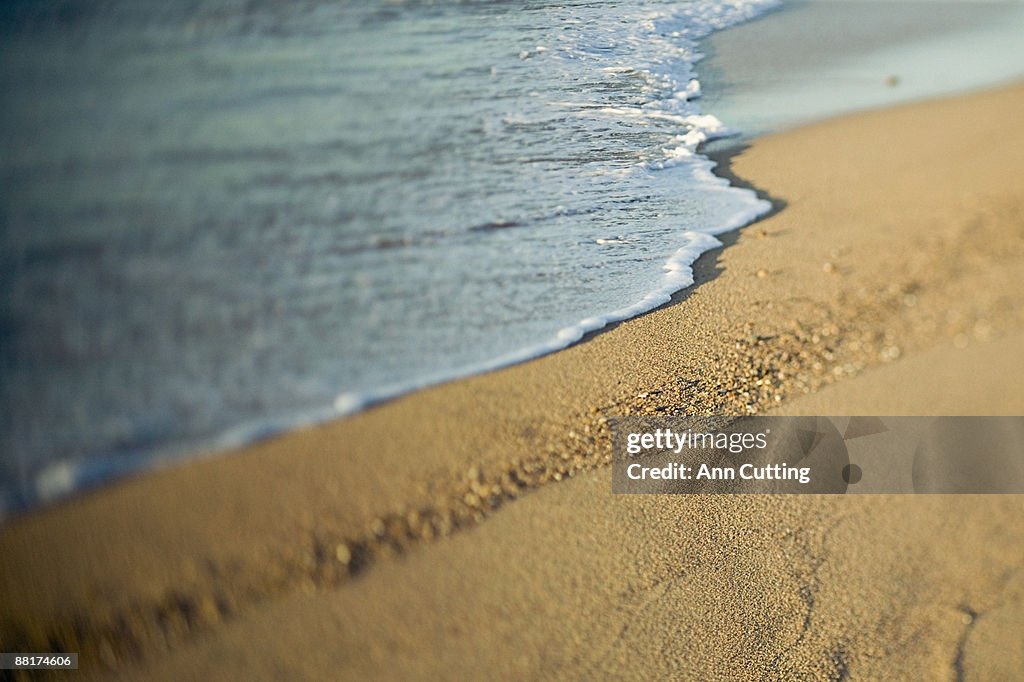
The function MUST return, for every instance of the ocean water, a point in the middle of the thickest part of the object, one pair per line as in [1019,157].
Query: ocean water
[821,58]
[219,219]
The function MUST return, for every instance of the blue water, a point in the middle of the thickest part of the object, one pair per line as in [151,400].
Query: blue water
[820,58]
[221,219]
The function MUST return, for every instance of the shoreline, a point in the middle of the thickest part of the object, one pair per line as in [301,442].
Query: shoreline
[859,270]
[731,58]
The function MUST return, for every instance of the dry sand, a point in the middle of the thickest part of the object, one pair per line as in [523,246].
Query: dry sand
[887,282]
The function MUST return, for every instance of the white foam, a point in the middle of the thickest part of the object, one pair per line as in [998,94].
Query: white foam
[56,480]
[678,275]
[679,33]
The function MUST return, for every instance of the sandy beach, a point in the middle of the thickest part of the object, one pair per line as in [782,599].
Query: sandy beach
[469,530]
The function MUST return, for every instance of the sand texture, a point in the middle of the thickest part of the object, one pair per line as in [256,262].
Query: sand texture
[469,531]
